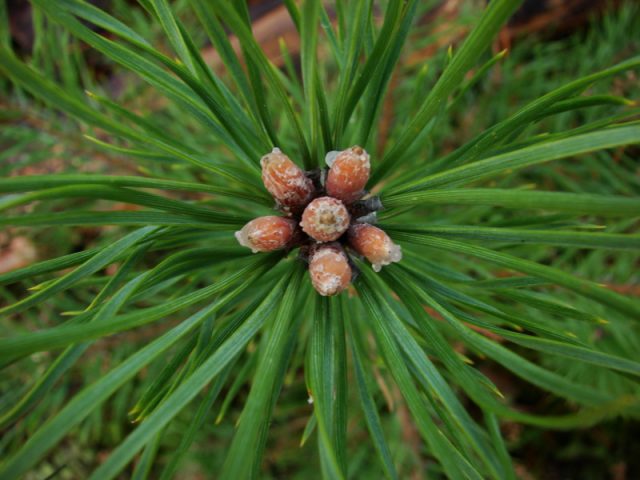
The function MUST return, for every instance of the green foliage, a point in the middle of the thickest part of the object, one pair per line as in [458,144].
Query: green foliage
[509,182]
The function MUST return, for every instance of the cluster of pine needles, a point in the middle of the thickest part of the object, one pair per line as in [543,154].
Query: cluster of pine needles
[139,339]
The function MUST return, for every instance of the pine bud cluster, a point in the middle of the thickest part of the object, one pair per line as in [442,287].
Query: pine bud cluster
[326,219]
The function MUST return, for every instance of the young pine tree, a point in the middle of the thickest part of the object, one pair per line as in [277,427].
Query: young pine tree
[477,240]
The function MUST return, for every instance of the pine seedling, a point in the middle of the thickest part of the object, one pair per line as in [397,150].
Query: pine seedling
[507,248]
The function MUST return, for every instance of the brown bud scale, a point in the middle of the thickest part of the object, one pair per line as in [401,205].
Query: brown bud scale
[329,269]
[266,234]
[325,219]
[348,174]
[285,181]
[374,244]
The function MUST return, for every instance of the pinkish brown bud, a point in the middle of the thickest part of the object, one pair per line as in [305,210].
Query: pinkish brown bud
[348,174]
[374,244]
[329,269]
[286,181]
[325,219]
[266,234]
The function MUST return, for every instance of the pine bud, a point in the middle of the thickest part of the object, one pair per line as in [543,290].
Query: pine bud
[348,174]
[325,219]
[329,269]
[374,244]
[266,234]
[285,181]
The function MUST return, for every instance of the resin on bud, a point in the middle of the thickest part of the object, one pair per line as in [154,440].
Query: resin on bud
[325,219]
[285,181]
[329,269]
[266,234]
[348,174]
[374,244]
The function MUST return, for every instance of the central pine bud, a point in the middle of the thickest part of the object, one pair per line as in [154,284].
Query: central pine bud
[325,219]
